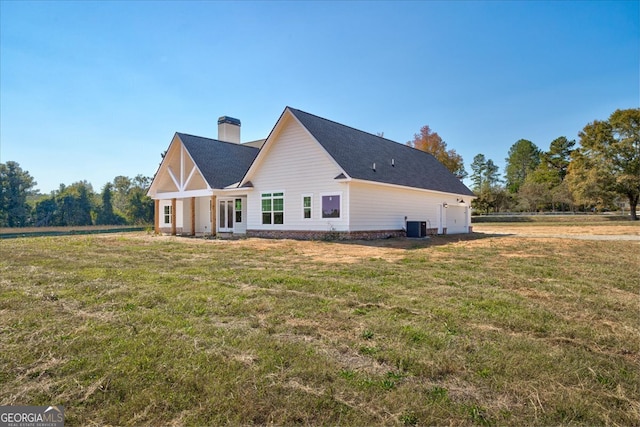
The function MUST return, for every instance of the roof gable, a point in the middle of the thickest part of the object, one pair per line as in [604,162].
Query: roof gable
[285,120]
[221,163]
[369,157]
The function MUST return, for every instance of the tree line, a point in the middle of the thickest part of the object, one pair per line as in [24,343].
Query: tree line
[600,173]
[122,201]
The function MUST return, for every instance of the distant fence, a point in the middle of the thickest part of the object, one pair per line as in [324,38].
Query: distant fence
[14,233]
[549,216]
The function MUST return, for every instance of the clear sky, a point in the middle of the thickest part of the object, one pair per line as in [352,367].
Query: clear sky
[92,90]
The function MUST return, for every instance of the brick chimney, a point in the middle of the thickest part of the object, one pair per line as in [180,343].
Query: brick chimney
[229,129]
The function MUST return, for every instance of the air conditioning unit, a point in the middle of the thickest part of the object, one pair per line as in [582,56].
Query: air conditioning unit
[416,228]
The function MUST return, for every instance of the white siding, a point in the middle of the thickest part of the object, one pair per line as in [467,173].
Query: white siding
[186,216]
[296,164]
[240,227]
[203,217]
[179,213]
[381,207]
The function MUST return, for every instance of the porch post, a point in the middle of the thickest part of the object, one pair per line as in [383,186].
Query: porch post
[173,216]
[156,216]
[213,215]
[193,216]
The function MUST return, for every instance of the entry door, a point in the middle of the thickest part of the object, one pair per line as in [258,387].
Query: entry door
[225,216]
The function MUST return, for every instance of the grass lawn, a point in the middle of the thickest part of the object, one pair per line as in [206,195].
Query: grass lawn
[133,329]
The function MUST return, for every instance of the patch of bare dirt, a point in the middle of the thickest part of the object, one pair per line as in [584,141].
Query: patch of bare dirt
[587,231]
[392,250]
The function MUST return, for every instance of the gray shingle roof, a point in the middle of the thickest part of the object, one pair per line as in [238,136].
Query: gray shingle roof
[356,152]
[221,163]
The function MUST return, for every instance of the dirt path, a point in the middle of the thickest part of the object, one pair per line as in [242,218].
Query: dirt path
[586,232]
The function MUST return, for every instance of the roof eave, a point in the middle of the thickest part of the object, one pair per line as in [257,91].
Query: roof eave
[386,184]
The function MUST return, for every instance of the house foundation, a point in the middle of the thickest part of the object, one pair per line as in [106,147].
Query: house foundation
[326,235]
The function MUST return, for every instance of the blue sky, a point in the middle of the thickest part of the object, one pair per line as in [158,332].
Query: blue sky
[92,90]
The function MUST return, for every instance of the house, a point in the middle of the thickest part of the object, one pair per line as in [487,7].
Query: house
[310,178]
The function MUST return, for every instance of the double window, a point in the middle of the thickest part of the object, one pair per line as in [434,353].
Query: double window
[273,208]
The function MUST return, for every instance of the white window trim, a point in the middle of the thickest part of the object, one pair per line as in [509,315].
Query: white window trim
[167,215]
[284,204]
[332,193]
[235,210]
[310,195]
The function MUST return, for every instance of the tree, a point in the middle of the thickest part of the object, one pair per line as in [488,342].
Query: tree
[46,210]
[486,183]
[536,191]
[478,168]
[608,160]
[491,175]
[559,155]
[75,204]
[432,143]
[587,187]
[524,157]
[15,185]
[561,195]
[534,195]
[140,207]
[106,215]
[121,186]
[130,199]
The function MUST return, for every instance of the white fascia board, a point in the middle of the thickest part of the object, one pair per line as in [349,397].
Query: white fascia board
[232,191]
[183,194]
[384,184]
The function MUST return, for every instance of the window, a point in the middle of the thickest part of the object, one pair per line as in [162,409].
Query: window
[273,208]
[331,206]
[238,210]
[167,214]
[306,206]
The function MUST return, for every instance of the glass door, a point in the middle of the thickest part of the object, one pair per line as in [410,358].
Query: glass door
[225,216]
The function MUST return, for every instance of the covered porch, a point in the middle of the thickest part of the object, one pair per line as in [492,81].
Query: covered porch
[220,212]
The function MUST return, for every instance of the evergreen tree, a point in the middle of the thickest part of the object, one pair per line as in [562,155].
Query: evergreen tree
[15,185]
[523,158]
[105,214]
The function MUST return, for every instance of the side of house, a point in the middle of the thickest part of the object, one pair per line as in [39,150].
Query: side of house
[303,186]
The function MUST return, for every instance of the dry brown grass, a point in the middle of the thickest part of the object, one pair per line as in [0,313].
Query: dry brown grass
[484,329]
